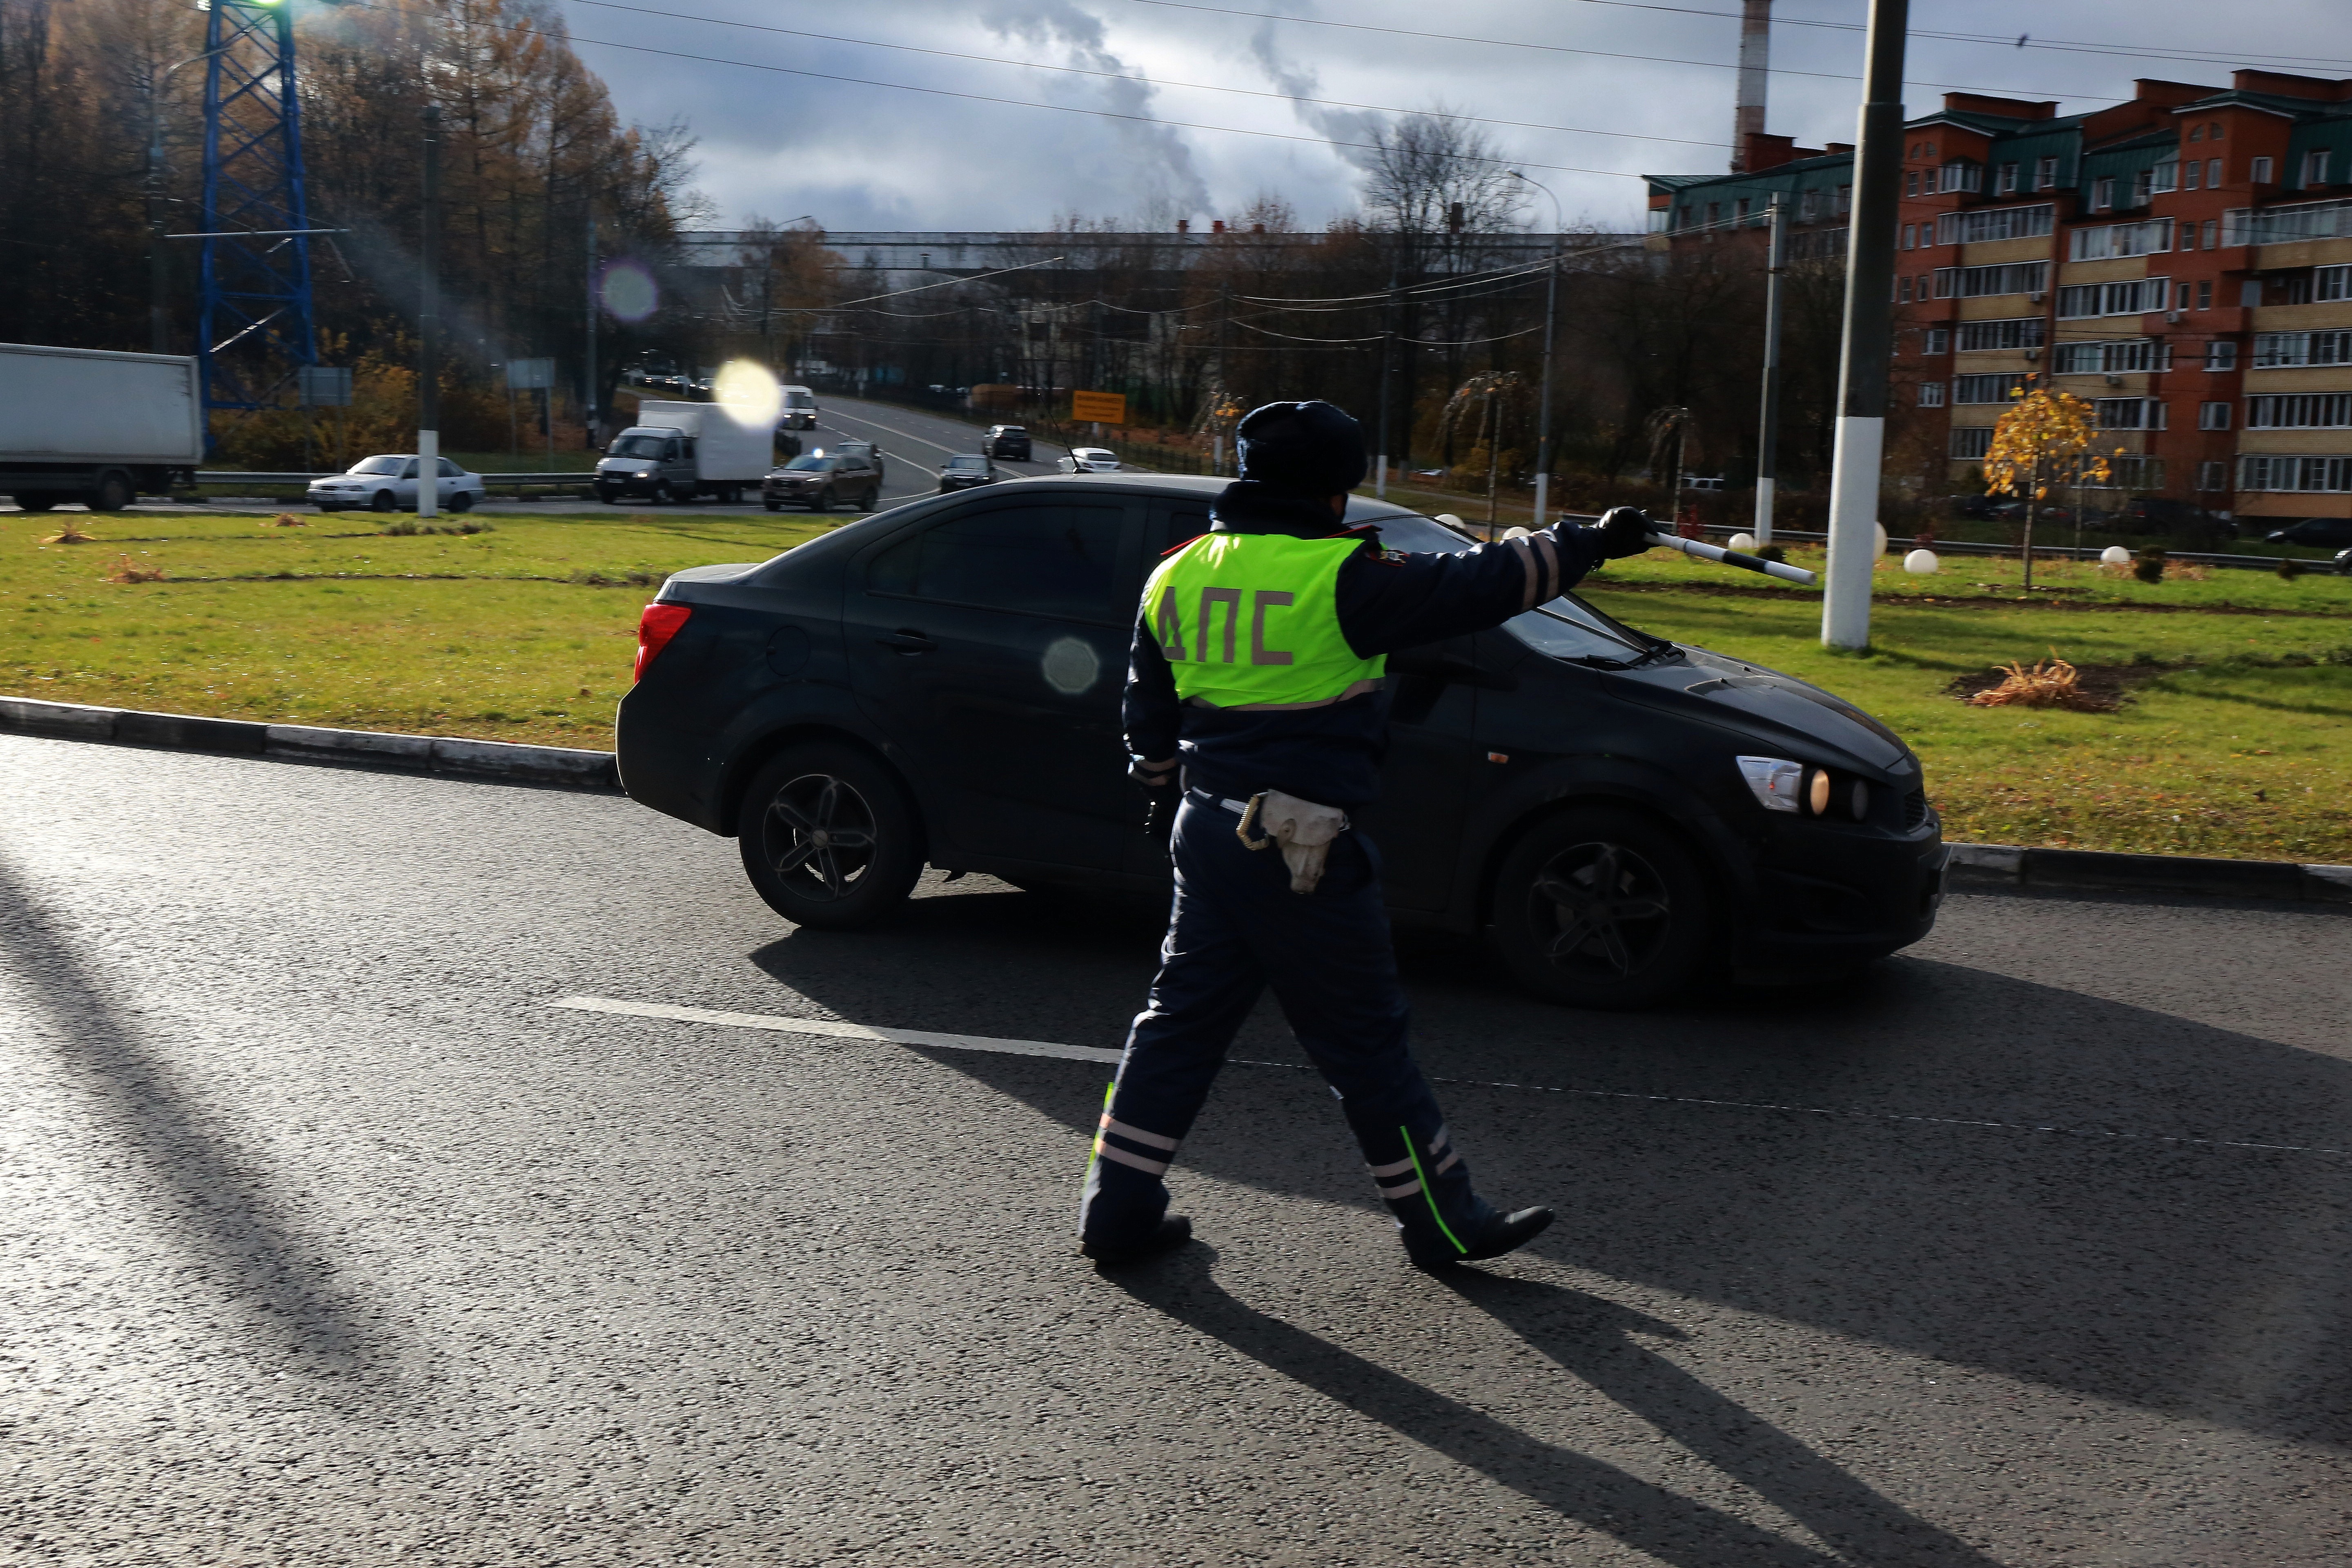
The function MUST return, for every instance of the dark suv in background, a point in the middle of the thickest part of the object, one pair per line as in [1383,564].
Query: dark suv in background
[1010,442]
[823,481]
[1623,816]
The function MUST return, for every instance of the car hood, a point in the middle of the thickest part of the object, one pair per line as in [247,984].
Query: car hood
[1771,706]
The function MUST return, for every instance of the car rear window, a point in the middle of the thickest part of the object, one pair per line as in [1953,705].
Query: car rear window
[1055,561]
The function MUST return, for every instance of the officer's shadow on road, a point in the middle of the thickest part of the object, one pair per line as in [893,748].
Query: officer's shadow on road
[204,1195]
[1593,1341]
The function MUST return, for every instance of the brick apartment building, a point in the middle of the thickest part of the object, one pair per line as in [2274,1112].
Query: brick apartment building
[2175,259]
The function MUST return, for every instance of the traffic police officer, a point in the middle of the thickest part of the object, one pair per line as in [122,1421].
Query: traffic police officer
[1256,670]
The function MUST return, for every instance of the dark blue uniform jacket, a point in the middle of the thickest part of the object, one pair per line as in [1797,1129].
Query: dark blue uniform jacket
[1387,600]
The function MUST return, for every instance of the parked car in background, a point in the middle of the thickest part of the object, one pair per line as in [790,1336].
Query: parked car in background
[1090,460]
[1623,816]
[1010,442]
[388,482]
[1981,508]
[966,469]
[2326,532]
[823,481]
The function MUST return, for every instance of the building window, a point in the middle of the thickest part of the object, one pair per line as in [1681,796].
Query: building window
[1902,290]
[1996,387]
[2006,184]
[2249,292]
[2300,411]
[1960,176]
[2212,232]
[2262,171]
[2014,333]
[1969,444]
[2197,133]
[2188,237]
[2212,476]
[2119,358]
[2278,349]
[2130,413]
[2212,416]
[1844,201]
[1911,182]
[2045,173]
[1739,210]
[2213,173]
[2001,222]
[2151,238]
[2164,177]
[2204,293]
[2008,277]
[2103,193]
[2215,126]
[2331,283]
[1939,340]
[1808,206]
[1714,214]
[2079,300]
[2320,475]
[2143,187]
[2314,167]
[2221,356]
[2189,174]
[1931,395]
[1908,231]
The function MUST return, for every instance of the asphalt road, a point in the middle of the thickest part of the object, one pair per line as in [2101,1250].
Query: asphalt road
[913,443]
[327,1241]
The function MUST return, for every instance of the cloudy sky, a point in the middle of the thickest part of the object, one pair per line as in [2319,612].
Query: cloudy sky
[1552,77]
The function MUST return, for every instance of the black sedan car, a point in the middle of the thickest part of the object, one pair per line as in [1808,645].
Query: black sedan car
[1623,816]
[823,481]
[2327,533]
[965,469]
[1010,442]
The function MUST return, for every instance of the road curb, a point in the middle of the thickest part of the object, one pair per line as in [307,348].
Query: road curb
[499,760]
[2008,865]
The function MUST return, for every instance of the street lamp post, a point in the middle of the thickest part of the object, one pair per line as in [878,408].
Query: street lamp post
[429,325]
[1543,398]
[1767,435]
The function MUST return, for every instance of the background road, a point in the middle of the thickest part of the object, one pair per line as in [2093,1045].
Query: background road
[327,1241]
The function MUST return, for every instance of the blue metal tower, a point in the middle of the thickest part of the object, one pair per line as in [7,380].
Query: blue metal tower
[253,320]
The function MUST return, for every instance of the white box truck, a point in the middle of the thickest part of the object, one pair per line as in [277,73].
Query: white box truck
[95,426]
[800,409]
[677,451]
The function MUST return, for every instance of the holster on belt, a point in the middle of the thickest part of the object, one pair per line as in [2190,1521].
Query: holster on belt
[1304,830]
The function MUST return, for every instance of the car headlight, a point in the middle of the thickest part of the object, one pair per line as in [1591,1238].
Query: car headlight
[645,473]
[1777,784]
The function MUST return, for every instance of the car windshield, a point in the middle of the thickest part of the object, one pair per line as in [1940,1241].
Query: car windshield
[808,463]
[967,462]
[379,466]
[1010,430]
[1567,628]
[637,446]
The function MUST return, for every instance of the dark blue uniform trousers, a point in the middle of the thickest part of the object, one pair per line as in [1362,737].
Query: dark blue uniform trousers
[1236,928]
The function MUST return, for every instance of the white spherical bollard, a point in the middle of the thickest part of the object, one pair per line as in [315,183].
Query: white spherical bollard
[1879,530]
[1449,520]
[1743,543]
[1517,532]
[1922,563]
[2114,555]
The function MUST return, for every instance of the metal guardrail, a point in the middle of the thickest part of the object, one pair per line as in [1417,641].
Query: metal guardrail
[241,477]
[2053,552]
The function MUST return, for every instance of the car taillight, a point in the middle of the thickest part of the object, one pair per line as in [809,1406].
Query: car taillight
[654,629]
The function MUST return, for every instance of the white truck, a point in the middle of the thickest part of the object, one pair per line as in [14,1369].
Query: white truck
[677,451]
[800,409]
[95,426]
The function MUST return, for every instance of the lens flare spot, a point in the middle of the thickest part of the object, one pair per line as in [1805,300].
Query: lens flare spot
[749,394]
[628,291]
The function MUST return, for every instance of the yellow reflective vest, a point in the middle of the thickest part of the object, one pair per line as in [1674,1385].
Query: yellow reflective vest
[1252,620]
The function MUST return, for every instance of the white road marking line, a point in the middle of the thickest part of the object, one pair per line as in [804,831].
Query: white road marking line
[837,1029]
[840,1030]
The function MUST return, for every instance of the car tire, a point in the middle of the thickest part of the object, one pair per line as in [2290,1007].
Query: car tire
[383,501]
[330,510]
[829,836]
[461,501]
[605,494]
[771,503]
[872,499]
[660,494]
[112,494]
[825,501]
[1603,908]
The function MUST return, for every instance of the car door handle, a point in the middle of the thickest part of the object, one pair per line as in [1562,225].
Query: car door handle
[906,640]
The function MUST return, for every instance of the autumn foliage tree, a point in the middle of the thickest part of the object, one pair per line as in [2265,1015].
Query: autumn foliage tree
[2043,435]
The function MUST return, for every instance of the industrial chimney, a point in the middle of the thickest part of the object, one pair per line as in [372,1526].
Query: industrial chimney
[1755,56]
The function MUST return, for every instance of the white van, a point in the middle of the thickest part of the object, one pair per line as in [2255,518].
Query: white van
[800,409]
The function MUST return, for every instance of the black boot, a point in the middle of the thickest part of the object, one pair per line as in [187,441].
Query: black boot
[1496,1235]
[1172,1232]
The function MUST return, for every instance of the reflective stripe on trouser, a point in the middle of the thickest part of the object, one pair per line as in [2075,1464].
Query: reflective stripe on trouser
[1236,928]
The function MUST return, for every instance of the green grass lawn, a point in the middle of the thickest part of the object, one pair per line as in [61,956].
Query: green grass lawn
[2237,744]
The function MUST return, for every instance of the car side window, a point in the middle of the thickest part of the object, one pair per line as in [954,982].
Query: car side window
[1170,527]
[1058,561]
[408,469]
[450,471]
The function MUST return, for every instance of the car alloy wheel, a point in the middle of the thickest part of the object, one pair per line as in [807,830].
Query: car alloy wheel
[824,501]
[829,837]
[381,501]
[461,501]
[660,494]
[1598,908]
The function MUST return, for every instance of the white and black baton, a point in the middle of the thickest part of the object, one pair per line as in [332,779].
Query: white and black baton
[1734,558]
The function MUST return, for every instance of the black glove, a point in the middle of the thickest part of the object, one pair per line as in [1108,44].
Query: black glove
[1624,531]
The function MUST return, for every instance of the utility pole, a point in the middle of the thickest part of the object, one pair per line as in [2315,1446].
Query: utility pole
[1387,374]
[589,403]
[1856,468]
[1768,437]
[429,325]
[1543,400]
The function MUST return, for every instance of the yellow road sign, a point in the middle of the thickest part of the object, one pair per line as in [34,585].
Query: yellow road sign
[1098,407]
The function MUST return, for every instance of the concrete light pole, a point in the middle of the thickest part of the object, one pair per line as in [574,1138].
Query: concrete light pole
[1768,437]
[1543,399]
[1855,470]
[429,325]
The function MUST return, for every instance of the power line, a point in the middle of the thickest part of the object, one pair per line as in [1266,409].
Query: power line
[1122,76]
